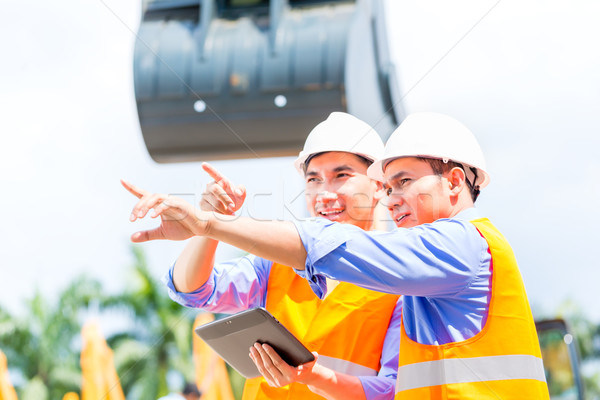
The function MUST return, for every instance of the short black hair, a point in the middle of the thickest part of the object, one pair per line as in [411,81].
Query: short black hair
[307,161]
[191,388]
[439,167]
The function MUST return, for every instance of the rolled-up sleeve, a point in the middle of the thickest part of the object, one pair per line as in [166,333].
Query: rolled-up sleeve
[437,259]
[382,386]
[233,286]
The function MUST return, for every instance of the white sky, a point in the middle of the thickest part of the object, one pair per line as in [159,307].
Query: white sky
[524,79]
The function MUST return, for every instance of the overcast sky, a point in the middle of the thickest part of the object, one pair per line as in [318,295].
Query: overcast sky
[523,75]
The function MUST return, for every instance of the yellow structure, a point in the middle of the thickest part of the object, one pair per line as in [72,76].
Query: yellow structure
[7,392]
[71,396]
[211,374]
[99,377]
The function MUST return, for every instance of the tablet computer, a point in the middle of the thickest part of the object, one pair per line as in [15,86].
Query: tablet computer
[232,337]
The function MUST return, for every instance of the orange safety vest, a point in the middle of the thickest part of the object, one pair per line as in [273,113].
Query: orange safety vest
[347,328]
[503,361]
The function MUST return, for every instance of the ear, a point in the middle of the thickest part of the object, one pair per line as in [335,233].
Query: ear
[456,180]
[380,192]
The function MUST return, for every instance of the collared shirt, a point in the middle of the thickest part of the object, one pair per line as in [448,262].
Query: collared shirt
[443,269]
[241,284]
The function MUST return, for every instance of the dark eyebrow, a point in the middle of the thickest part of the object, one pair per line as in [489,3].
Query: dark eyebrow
[397,176]
[343,168]
[336,169]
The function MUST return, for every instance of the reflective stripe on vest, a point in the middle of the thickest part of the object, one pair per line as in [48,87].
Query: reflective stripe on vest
[502,361]
[347,329]
[345,366]
[477,369]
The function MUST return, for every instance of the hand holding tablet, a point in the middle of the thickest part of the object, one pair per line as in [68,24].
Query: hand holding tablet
[231,337]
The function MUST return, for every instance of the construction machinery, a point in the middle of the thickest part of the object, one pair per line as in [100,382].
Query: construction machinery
[218,79]
[222,79]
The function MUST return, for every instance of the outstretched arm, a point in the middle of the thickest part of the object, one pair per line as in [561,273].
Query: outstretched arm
[193,267]
[273,240]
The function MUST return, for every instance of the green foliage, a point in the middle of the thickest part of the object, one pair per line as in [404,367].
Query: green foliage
[35,389]
[585,333]
[44,344]
[582,328]
[160,339]
[41,344]
[592,386]
[237,382]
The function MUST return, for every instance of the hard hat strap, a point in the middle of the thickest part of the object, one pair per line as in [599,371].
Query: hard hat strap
[470,178]
[475,190]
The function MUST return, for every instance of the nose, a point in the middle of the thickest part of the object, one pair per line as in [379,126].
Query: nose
[393,200]
[326,196]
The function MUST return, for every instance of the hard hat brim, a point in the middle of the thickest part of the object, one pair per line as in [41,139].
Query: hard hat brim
[376,171]
[302,157]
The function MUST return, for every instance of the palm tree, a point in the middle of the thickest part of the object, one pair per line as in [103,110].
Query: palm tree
[43,345]
[159,341]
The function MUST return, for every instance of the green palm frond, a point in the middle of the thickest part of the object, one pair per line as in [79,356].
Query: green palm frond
[43,344]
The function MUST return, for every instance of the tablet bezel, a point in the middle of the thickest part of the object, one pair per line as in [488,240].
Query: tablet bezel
[231,338]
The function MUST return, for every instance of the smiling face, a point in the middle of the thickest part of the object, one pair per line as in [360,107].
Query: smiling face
[337,188]
[416,195]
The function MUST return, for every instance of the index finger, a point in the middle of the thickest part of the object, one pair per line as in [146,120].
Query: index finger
[216,175]
[137,192]
[212,171]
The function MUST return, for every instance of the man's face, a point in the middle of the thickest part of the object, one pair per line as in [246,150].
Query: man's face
[416,195]
[337,188]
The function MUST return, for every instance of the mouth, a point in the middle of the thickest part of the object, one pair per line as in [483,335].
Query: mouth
[399,219]
[330,213]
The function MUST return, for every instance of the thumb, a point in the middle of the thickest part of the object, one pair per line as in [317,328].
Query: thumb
[145,236]
[310,364]
[240,191]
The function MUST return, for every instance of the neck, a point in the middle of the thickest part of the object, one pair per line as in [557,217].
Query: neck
[365,225]
[462,203]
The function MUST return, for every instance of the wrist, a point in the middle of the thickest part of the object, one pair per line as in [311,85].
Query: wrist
[317,376]
[203,222]
[211,209]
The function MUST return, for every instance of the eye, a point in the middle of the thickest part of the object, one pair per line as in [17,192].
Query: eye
[388,191]
[312,180]
[404,181]
[342,175]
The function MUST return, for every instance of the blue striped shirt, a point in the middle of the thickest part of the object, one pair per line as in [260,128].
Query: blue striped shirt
[241,284]
[441,268]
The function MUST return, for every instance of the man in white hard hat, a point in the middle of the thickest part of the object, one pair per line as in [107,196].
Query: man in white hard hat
[355,331]
[467,329]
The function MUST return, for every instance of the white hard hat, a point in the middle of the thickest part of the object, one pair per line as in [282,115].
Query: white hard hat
[341,132]
[433,135]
